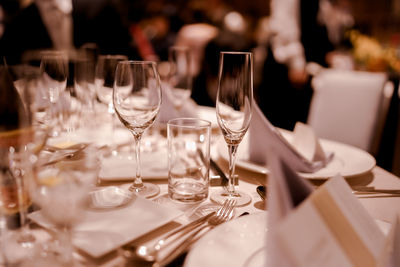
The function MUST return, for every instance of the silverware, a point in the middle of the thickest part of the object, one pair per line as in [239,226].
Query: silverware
[373,190]
[224,214]
[180,239]
[73,155]
[262,191]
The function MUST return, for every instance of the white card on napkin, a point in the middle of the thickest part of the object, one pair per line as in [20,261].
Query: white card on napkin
[330,228]
[263,135]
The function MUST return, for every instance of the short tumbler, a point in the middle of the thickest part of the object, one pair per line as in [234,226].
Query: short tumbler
[188,159]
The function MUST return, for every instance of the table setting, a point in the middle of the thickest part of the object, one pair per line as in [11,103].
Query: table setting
[146,177]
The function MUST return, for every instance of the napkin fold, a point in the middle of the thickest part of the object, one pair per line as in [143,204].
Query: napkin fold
[327,226]
[304,154]
[391,255]
[286,191]
[168,110]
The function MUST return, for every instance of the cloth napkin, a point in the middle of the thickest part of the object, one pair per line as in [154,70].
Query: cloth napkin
[286,190]
[304,154]
[329,225]
[168,111]
[391,255]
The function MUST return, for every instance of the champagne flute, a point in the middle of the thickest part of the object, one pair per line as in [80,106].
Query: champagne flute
[180,77]
[137,101]
[234,107]
[54,68]
[104,82]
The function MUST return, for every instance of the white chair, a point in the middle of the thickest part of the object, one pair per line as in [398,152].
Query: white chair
[350,107]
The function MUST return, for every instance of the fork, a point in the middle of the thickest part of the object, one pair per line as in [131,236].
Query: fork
[224,214]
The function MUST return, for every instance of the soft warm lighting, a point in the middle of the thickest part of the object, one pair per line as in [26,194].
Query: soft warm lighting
[235,22]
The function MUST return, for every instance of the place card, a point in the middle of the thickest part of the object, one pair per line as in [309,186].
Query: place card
[330,228]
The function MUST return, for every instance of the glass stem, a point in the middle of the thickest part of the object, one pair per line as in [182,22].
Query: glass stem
[64,237]
[232,161]
[25,236]
[138,183]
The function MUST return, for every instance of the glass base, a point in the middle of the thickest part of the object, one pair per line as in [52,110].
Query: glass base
[242,199]
[147,190]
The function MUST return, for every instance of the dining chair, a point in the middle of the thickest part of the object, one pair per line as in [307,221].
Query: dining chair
[350,107]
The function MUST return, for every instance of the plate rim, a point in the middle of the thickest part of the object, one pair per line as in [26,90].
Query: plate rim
[251,166]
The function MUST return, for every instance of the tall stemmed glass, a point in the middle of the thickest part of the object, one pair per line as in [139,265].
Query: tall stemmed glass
[180,77]
[54,68]
[137,101]
[104,82]
[234,107]
[21,139]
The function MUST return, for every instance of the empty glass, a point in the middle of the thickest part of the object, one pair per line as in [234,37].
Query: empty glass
[234,108]
[188,159]
[137,100]
[180,77]
[54,68]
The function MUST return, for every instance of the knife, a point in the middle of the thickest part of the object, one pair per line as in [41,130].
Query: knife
[220,172]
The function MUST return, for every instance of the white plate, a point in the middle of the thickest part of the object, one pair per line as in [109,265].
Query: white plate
[348,160]
[238,243]
[102,231]
[231,244]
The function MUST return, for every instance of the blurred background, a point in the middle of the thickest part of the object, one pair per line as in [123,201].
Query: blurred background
[356,35]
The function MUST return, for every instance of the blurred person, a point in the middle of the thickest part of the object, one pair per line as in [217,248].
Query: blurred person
[233,35]
[65,25]
[297,37]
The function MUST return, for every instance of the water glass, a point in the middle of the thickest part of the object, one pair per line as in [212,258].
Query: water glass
[188,159]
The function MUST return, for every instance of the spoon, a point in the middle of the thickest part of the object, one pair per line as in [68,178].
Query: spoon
[75,147]
[74,155]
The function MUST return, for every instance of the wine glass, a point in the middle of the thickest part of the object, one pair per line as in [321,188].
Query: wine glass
[104,82]
[137,100]
[234,107]
[21,139]
[54,68]
[61,190]
[84,86]
[180,77]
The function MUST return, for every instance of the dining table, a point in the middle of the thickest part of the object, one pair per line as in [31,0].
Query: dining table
[381,206]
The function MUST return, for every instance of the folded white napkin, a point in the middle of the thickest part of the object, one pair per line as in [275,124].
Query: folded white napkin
[286,190]
[327,226]
[168,110]
[305,153]
[391,255]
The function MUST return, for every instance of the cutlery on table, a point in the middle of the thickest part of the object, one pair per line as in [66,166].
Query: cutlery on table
[182,238]
[262,191]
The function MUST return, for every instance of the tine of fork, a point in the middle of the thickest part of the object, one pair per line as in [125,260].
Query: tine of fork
[223,207]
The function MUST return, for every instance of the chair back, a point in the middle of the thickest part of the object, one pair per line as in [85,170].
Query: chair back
[350,107]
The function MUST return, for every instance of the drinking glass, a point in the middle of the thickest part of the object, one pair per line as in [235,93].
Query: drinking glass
[180,77]
[61,190]
[21,139]
[54,68]
[234,106]
[84,86]
[104,82]
[137,100]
